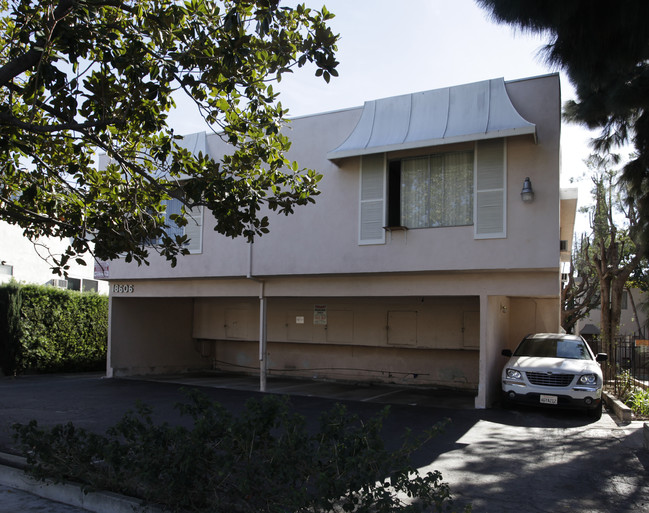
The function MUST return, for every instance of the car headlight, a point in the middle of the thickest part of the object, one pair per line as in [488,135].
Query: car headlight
[513,374]
[588,379]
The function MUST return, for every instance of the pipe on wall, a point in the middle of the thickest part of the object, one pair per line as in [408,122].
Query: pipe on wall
[263,351]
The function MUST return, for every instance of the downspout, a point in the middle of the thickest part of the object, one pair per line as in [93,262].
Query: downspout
[263,354]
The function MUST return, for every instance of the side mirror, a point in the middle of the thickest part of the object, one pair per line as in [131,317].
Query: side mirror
[601,357]
[507,352]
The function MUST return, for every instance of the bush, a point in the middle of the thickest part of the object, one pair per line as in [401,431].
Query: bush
[639,402]
[632,395]
[10,305]
[262,461]
[52,329]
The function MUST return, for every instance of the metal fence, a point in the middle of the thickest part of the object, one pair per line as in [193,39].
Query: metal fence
[628,361]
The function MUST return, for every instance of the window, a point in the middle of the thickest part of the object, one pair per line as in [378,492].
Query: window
[433,191]
[74,283]
[458,188]
[90,285]
[193,229]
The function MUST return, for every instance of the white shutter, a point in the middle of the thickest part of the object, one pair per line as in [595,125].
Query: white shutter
[194,229]
[490,211]
[173,206]
[372,201]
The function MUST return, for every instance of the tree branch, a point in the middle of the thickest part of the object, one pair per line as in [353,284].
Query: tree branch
[8,119]
[32,57]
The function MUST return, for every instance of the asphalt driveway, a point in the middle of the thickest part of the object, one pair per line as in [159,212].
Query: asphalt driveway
[499,460]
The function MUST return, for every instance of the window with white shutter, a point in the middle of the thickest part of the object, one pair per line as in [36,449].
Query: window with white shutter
[193,229]
[372,203]
[457,188]
[490,212]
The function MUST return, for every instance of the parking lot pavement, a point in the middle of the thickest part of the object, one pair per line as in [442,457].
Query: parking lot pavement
[13,501]
[498,460]
[537,461]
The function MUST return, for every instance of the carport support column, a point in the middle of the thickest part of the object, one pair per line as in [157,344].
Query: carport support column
[109,349]
[263,353]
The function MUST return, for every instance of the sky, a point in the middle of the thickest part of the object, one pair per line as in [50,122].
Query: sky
[390,47]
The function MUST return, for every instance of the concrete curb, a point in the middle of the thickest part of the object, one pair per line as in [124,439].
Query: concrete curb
[68,493]
[621,410]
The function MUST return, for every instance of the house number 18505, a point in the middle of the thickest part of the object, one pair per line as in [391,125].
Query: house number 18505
[123,289]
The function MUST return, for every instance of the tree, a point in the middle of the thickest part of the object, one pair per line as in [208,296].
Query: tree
[580,292]
[604,48]
[84,76]
[614,252]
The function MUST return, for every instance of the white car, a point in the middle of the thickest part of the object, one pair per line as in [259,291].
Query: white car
[556,370]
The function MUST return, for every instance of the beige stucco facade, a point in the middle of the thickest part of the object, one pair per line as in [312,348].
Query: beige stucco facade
[426,306]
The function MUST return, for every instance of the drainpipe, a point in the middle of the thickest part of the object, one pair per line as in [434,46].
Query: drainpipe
[263,354]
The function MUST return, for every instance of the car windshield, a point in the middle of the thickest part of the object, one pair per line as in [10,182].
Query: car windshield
[553,348]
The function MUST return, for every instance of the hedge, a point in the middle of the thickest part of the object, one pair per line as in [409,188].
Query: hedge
[44,329]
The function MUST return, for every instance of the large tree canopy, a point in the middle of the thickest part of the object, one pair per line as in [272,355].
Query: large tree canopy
[604,48]
[81,77]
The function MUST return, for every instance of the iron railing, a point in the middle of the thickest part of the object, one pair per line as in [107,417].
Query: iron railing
[628,362]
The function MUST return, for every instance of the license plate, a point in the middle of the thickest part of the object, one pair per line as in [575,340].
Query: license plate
[548,399]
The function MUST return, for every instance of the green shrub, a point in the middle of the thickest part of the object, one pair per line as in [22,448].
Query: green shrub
[10,305]
[55,330]
[632,395]
[265,460]
[639,402]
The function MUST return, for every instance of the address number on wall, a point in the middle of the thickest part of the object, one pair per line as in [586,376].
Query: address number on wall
[123,289]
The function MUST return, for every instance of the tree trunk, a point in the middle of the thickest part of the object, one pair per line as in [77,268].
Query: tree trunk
[606,326]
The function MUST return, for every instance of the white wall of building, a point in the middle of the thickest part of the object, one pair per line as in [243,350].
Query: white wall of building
[28,262]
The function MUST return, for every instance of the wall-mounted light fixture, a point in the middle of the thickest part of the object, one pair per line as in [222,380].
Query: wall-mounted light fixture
[527,194]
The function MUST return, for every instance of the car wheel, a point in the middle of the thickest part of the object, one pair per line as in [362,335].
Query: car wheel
[596,413]
[506,403]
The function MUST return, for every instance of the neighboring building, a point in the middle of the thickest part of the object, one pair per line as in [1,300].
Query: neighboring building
[418,264]
[633,321]
[27,262]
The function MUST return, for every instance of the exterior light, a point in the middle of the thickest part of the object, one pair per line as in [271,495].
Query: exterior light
[527,194]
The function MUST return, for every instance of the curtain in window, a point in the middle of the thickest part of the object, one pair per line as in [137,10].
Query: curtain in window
[458,189]
[415,190]
[437,190]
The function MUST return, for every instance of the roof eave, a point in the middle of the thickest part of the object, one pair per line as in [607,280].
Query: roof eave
[494,134]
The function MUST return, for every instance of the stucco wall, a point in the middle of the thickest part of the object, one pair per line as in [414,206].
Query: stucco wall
[29,260]
[323,238]
[412,366]
[423,340]
[428,322]
[171,335]
[149,336]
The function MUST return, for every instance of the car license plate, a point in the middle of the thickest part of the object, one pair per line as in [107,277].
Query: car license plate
[548,399]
